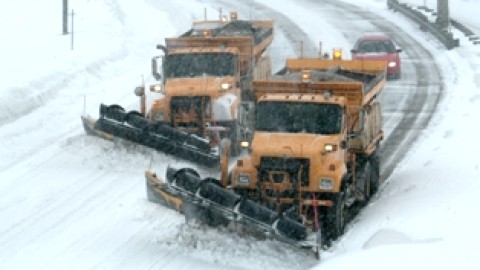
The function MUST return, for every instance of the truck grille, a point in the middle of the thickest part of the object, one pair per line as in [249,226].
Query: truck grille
[191,108]
[290,165]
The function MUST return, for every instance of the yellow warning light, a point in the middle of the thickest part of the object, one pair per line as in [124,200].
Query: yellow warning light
[207,33]
[337,54]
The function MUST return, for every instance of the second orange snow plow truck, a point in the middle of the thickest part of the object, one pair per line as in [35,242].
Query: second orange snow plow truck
[314,154]
[205,92]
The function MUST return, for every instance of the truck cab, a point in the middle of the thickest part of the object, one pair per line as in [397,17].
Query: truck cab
[317,132]
[200,91]
[206,79]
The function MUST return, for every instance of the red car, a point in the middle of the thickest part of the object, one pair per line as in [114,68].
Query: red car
[379,47]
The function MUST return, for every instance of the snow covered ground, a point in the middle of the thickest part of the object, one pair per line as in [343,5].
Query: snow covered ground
[68,200]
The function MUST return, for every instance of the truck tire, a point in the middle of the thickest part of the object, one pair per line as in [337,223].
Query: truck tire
[365,178]
[375,171]
[336,217]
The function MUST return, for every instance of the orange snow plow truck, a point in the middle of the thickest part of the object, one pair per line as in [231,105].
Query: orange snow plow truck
[314,154]
[204,93]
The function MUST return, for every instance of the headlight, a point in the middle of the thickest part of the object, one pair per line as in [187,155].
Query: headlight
[306,76]
[392,64]
[226,86]
[244,144]
[325,183]
[330,147]
[243,179]
[157,88]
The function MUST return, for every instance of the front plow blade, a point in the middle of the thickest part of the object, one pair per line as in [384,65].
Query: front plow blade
[214,205]
[132,126]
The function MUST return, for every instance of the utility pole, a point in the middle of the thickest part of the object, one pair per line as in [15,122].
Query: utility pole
[71,42]
[443,19]
[65,17]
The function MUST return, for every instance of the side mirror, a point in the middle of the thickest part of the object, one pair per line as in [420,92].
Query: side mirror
[399,50]
[163,48]
[353,51]
[156,68]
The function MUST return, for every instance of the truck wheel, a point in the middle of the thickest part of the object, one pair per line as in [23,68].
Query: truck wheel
[375,172]
[336,217]
[366,180]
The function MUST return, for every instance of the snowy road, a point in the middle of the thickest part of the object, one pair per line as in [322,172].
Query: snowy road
[70,201]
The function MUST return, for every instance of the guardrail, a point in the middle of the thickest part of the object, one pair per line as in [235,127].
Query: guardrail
[458,25]
[466,31]
[443,36]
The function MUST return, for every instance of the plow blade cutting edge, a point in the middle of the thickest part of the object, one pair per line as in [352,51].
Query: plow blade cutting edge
[134,127]
[214,205]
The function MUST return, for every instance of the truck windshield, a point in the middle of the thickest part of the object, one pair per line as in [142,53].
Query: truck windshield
[299,117]
[198,64]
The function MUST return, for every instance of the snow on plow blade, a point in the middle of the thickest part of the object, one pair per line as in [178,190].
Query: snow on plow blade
[214,205]
[114,121]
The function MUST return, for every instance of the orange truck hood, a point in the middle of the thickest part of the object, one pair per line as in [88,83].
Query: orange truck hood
[205,85]
[289,144]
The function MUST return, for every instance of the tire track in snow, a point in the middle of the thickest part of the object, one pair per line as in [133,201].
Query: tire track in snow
[50,220]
